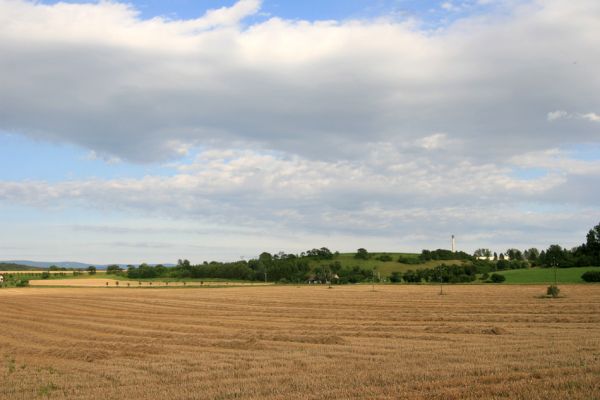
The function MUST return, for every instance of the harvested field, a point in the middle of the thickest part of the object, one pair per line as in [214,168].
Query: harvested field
[92,282]
[476,342]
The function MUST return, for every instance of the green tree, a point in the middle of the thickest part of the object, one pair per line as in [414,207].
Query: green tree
[532,255]
[362,254]
[482,253]
[91,270]
[113,269]
[396,277]
[514,254]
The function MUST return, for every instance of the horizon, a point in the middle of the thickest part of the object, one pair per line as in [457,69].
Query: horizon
[215,130]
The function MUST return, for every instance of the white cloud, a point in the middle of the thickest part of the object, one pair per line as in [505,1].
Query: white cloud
[561,114]
[350,129]
[558,114]
[593,117]
[149,90]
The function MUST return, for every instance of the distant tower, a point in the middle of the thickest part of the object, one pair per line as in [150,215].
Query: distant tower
[453,244]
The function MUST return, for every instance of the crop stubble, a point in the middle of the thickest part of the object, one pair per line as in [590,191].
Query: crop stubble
[289,342]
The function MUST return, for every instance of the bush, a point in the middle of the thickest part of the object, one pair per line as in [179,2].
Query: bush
[362,254]
[384,258]
[497,278]
[409,260]
[45,275]
[553,291]
[21,283]
[395,277]
[591,276]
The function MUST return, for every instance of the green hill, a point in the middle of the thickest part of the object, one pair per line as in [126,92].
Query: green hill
[385,268]
[17,267]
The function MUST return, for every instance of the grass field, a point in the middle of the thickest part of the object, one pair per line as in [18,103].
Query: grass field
[287,342]
[546,275]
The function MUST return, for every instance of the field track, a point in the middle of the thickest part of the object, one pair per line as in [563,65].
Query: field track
[287,342]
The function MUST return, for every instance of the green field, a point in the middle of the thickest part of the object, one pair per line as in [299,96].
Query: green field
[546,275]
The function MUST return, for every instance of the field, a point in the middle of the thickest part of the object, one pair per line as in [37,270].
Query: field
[86,281]
[546,275]
[308,342]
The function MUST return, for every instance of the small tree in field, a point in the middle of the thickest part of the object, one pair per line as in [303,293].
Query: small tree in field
[553,291]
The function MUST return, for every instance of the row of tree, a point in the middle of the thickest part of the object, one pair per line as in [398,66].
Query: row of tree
[587,254]
[283,267]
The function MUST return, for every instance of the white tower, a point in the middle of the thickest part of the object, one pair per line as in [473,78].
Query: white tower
[453,244]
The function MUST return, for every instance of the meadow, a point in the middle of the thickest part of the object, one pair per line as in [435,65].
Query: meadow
[300,342]
[546,275]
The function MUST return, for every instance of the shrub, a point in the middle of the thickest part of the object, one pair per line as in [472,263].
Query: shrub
[409,260]
[497,278]
[45,275]
[485,276]
[553,291]
[21,283]
[591,276]
[395,277]
[384,258]
[362,254]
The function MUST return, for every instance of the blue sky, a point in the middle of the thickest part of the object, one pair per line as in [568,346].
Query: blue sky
[260,127]
[309,10]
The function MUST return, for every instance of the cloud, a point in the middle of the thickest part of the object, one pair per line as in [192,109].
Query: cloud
[400,194]
[561,114]
[149,90]
[285,130]
[228,16]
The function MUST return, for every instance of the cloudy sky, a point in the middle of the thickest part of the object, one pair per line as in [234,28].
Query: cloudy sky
[205,129]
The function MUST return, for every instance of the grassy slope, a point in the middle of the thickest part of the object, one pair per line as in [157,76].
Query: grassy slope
[546,275]
[384,268]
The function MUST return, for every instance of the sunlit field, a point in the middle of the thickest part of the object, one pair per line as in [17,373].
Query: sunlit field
[308,342]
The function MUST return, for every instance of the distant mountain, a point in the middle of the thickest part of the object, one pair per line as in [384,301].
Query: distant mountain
[8,266]
[26,264]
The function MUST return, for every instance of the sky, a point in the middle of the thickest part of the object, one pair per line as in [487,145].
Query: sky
[151,131]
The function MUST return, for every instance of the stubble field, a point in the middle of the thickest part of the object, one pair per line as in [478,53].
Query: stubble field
[300,343]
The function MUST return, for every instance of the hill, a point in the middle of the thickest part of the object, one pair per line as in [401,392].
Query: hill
[16,267]
[63,264]
[384,268]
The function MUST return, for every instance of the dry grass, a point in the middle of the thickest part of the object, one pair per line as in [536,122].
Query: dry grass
[99,282]
[476,342]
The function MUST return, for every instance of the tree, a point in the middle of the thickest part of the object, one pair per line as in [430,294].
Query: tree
[482,253]
[532,255]
[514,254]
[362,254]
[91,270]
[395,277]
[591,248]
[113,270]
